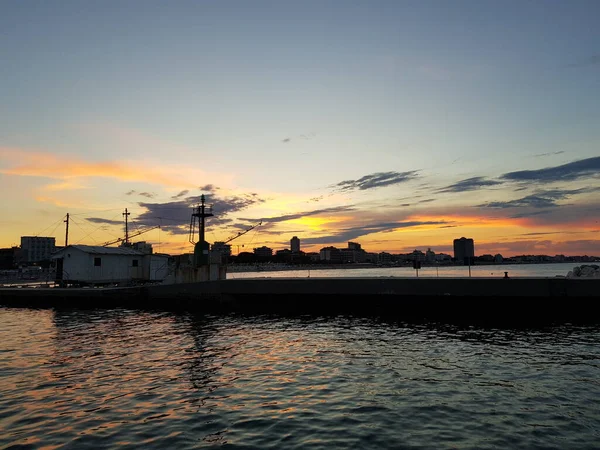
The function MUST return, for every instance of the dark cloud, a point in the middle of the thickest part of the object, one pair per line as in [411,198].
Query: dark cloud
[181,194]
[590,61]
[147,194]
[175,216]
[376,180]
[542,199]
[470,184]
[524,215]
[427,200]
[315,212]
[105,221]
[208,188]
[349,234]
[286,140]
[575,170]
[130,192]
[540,155]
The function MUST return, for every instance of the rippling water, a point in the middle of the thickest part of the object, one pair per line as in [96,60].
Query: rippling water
[123,378]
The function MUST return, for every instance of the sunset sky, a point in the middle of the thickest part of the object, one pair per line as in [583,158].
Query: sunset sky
[395,124]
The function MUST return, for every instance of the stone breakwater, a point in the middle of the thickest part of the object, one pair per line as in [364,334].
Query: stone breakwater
[585,271]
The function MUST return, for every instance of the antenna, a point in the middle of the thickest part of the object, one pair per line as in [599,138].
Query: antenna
[126,214]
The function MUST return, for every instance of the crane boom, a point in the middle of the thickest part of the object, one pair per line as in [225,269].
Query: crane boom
[241,233]
[137,233]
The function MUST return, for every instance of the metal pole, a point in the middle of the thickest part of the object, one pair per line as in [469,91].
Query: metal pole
[201,231]
[67,231]
[126,214]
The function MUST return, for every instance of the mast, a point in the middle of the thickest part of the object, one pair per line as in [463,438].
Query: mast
[67,230]
[201,249]
[126,214]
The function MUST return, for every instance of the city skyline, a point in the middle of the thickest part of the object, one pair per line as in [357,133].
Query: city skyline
[399,125]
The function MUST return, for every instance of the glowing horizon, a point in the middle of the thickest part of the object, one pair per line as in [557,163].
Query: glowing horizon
[398,125]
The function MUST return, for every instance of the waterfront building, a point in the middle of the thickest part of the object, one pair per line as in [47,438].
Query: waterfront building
[313,256]
[442,257]
[354,246]
[284,255]
[295,244]
[464,250]
[222,248]
[263,253]
[429,256]
[498,258]
[36,248]
[330,254]
[89,264]
[416,255]
[384,258]
[8,258]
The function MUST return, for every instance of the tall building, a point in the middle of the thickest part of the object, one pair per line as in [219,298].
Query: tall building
[464,250]
[295,244]
[37,248]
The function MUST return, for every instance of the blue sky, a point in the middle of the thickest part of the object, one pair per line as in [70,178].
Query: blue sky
[286,99]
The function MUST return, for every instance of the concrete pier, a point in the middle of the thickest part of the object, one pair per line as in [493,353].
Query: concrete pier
[524,300]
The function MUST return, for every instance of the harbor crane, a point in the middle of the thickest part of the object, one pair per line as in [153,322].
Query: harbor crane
[241,233]
[129,235]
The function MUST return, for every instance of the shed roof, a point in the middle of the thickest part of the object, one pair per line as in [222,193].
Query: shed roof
[99,250]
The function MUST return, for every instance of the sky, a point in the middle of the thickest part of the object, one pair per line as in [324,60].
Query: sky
[400,125]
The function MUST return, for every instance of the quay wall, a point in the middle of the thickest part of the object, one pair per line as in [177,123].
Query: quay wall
[524,300]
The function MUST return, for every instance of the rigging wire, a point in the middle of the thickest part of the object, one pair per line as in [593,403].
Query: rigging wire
[93,231]
[53,223]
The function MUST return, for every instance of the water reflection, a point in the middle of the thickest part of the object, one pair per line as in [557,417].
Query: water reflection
[125,378]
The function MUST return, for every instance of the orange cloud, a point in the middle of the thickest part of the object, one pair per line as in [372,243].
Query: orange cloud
[49,165]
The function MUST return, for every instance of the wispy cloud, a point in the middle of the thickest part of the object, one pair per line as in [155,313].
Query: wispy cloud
[147,194]
[208,188]
[575,170]
[543,199]
[67,167]
[541,155]
[299,215]
[181,194]
[470,184]
[376,180]
[104,221]
[349,234]
[589,61]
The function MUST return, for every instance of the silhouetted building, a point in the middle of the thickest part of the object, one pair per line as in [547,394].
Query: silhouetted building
[36,248]
[416,255]
[313,256]
[221,247]
[284,255]
[330,254]
[8,258]
[464,250]
[429,256]
[295,245]
[263,253]
[384,258]
[354,246]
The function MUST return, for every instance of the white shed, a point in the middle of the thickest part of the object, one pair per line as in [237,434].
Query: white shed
[93,264]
